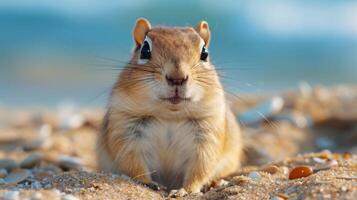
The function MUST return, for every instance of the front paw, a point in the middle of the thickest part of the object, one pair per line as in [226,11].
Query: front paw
[178,193]
[193,188]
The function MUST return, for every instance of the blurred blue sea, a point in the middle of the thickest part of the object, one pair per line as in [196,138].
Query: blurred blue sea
[52,51]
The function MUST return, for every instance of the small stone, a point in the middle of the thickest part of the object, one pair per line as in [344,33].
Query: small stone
[17,176]
[11,195]
[300,172]
[327,165]
[3,173]
[284,170]
[36,185]
[291,190]
[296,119]
[319,160]
[343,189]
[276,198]
[271,169]
[7,164]
[69,117]
[31,160]
[346,155]
[69,163]
[255,176]
[42,141]
[115,176]
[69,197]
[2,181]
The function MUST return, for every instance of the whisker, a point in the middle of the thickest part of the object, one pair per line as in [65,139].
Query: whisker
[110,59]
[270,122]
[144,174]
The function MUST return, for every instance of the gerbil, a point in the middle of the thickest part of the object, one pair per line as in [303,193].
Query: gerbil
[168,120]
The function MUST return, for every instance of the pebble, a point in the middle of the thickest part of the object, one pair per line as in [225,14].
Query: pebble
[319,160]
[277,198]
[7,164]
[3,173]
[263,111]
[271,169]
[255,176]
[346,155]
[42,141]
[285,170]
[17,176]
[47,186]
[2,181]
[125,177]
[69,116]
[11,195]
[31,160]
[297,120]
[36,185]
[283,196]
[69,197]
[68,162]
[327,165]
[300,172]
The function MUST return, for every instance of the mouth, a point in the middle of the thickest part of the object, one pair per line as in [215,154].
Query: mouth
[175,99]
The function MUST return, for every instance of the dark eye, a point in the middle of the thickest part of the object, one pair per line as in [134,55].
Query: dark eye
[204,54]
[145,51]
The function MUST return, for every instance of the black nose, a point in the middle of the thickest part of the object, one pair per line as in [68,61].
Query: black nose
[176,81]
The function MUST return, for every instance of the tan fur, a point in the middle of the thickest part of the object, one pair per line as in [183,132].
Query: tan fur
[178,145]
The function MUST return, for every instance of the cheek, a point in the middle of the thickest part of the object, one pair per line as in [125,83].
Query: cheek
[195,92]
[159,90]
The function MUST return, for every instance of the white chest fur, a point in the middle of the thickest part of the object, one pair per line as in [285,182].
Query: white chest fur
[167,148]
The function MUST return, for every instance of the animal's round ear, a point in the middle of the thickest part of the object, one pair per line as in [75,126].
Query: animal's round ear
[203,30]
[142,27]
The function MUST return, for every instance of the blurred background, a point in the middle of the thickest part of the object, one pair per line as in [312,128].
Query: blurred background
[54,51]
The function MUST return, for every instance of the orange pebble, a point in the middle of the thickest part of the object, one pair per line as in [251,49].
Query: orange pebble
[300,172]
[283,196]
[347,156]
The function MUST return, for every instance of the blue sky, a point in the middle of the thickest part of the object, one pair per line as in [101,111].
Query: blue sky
[280,17]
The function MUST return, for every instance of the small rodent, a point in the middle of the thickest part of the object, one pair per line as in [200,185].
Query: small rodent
[168,120]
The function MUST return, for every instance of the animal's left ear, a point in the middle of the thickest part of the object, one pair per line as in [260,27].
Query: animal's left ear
[203,30]
[142,27]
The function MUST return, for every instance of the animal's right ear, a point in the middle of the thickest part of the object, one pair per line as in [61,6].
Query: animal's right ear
[203,30]
[142,27]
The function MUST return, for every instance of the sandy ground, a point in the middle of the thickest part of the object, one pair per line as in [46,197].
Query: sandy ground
[49,154]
